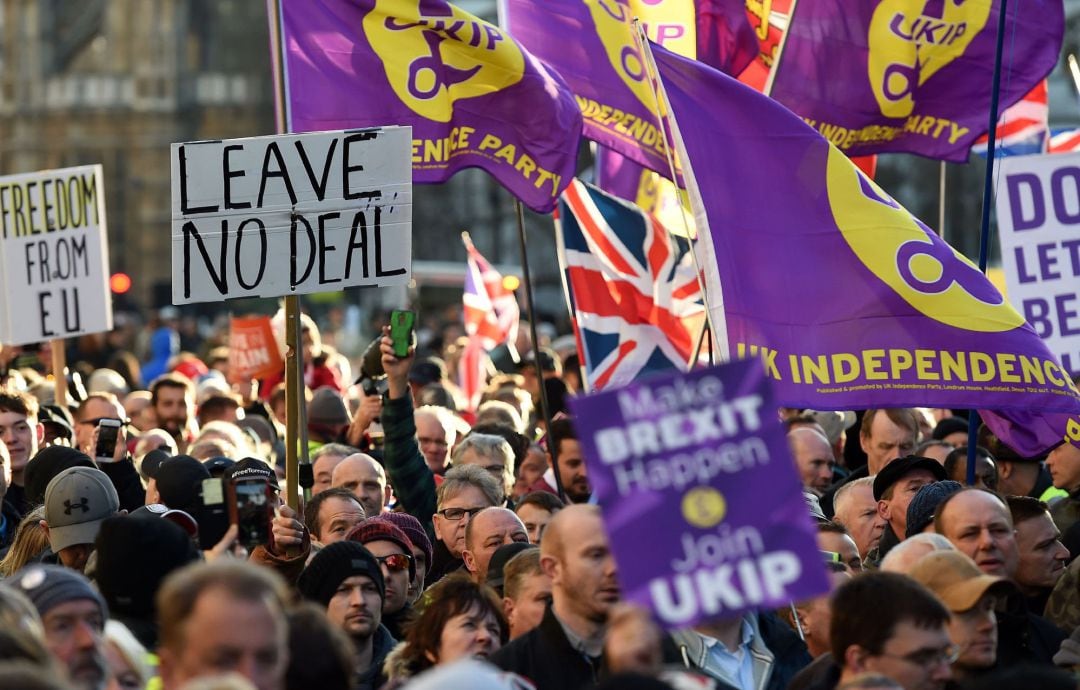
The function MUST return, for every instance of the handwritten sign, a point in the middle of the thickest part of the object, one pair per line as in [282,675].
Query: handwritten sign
[291,214]
[1038,211]
[53,255]
[696,466]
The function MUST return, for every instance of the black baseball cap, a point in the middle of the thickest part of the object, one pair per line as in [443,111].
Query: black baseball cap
[252,467]
[899,468]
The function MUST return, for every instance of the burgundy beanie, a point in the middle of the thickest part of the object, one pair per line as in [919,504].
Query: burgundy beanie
[380,529]
[414,531]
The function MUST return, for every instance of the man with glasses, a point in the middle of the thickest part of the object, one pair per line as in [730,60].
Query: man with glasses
[464,492]
[119,468]
[889,624]
[971,596]
[435,434]
[393,550]
[490,452]
[88,415]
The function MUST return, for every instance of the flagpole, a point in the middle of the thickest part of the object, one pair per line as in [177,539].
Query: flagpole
[941,202]
[545,410]
[1074,70]
[643,46]
[779,49]
[988,188]
[295,434]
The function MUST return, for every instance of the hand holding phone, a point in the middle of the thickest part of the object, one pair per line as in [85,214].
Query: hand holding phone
[107,436]
[251,504]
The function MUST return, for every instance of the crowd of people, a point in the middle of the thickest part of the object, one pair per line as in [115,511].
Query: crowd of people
[445,548]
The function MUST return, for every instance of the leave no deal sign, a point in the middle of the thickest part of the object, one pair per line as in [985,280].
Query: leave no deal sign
[291,214]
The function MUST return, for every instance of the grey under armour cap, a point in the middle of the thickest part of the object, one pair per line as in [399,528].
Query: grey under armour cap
[77,501]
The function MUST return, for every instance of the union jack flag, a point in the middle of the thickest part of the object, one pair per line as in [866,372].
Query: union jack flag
[1065,141]
[1021,129]
[491,318]
[633,293]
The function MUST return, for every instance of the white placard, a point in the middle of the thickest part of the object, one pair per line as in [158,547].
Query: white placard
[291,214]
[1038,211]
[54,255]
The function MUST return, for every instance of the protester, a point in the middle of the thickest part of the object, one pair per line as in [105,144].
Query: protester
[536,509]
[422,551]
[73,617]
[526,592]
[971,597]
[461,620]
[222,617]
[562,441]
[894,488]
[487,531]
[884,623]
[1017,475]
[331,513]
[856,509]
[365,478]
[77,502]
[564,651]
[126,657]
[924,505]
[173,398]
[1064,465]
[811,618]
[907,553]
[346,578]
[464,492]
[323,462]
[393,551]
[21,433]
[834,539]
[436,434]
[320,654]
[495,577]
[1042,555]
[986,474]
[31,542]
[813,457]
[887,434]
[490,452]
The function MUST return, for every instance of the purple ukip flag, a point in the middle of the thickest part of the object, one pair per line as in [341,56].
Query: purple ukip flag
[697,467]
[472,95]
[914,76]
[850,301]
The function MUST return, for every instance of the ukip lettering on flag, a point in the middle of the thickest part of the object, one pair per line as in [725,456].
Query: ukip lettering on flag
[850,301]
[879,76]
[491,311]
[472,95]
[632,291]
[1022,128]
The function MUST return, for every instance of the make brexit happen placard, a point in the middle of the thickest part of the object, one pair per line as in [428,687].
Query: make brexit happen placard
[700,497]
[54,256]
[1038,211]
[291,214]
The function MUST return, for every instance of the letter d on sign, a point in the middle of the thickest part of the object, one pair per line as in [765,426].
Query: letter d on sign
[1016,201]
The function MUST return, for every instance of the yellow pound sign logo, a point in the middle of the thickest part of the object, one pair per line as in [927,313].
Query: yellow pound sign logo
[704,507]
[908,257]
[910,40]
[433,61]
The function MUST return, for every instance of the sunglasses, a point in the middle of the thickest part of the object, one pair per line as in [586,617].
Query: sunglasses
[395,562]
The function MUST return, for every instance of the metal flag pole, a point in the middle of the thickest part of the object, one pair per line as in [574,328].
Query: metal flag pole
[545,409]
[941,202]
[984,235]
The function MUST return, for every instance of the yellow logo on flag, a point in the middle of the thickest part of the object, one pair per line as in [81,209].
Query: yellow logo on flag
[925,271]
[433,61]
[910,40]
[612,19]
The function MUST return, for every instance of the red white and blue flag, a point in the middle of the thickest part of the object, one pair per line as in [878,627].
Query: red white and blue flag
[1022,128]
[1065,141]
[491,319]
[633,293]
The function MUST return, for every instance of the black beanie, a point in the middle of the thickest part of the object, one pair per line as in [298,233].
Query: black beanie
[48,463]
[134,556]
[332,565]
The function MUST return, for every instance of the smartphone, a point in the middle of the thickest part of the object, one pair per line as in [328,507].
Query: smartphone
[251,507]
[401,331]
[108,434]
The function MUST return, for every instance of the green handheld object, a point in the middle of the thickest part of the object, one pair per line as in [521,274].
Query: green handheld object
[401,329]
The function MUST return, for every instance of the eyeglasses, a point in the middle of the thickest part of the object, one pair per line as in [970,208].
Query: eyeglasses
[424,441]
[927,658]
[455,514]
[395,562]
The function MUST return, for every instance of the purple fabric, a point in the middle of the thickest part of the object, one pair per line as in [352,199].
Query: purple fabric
[850,300]
[876,76]
[473,97]
[696,466]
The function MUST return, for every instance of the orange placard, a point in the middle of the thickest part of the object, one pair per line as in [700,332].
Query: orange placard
[253,352]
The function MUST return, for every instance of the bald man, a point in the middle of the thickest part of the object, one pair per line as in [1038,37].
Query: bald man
[813,457]
[365,478]
[565,650]
[488,530]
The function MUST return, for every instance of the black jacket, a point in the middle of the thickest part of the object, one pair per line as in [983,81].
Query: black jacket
[11,519]
[125,479]
[544,656]
[373,677]
[1024,638]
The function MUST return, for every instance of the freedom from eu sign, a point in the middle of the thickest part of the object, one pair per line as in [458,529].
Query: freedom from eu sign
[700,496]
[291,214]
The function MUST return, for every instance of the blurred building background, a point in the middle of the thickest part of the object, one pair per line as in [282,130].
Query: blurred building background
[90,81]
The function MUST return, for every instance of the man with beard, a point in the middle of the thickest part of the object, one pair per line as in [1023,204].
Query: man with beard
[173,398]
[347,579]
[572,472]
[393,551]
[564,651]
[73,615]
